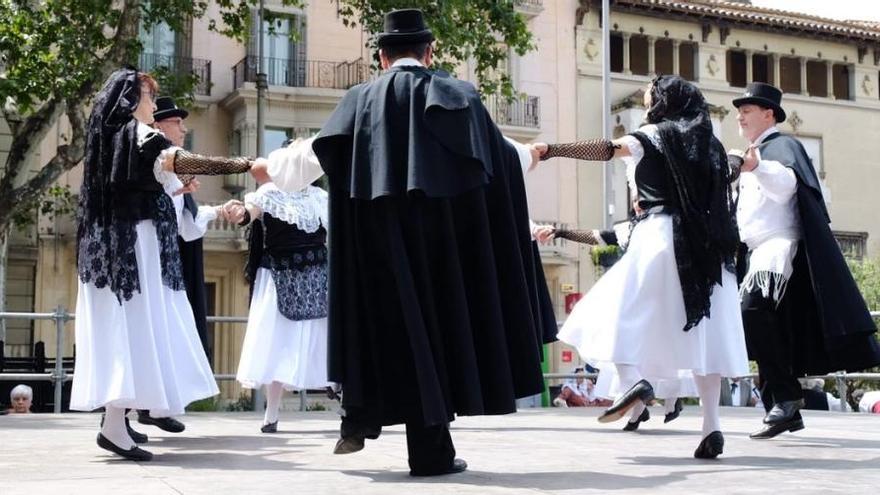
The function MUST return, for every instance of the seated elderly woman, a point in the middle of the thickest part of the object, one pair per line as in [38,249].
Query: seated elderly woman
[21,398]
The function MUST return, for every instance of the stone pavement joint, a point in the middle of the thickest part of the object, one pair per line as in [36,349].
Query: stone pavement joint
[533,451]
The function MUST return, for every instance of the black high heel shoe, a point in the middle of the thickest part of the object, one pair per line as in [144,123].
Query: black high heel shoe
[711,447]
[270,428]
[634,425]
[675,411]
[641,391]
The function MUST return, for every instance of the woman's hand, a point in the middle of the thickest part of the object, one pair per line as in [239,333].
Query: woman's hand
[260,171]
[544,234]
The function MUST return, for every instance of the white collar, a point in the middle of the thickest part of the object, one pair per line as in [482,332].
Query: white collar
[407,61]
[766,133]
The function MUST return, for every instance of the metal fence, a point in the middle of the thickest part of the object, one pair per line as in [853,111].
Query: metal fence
[302,73]
[58,375]
[180,66]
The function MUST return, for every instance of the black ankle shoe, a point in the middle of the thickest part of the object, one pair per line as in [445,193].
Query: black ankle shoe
[675,411]
[170,425]
[634,425]
[711,447]
[349,445]
[135,453]
[770,431]
[136,436]
[458,466]
[641,391]
[270,428]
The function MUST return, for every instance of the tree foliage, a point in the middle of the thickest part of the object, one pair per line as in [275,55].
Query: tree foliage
[55,54]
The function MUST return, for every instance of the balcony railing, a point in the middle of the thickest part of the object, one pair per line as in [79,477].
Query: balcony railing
[302,73]
[529,7]
[524,111]
[181,66]
[852,244]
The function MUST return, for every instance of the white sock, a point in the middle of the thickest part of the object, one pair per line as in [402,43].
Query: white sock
[114,427]
[628,375]
[273,402]
[636,411]
[710,394]
[669,404]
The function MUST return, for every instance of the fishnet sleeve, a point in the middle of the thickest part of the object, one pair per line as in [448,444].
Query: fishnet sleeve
[593,149]
[576,235]
[186,163]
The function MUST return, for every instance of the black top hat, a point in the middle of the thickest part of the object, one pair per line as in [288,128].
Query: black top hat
[166,108]
[405,27]
[765,95]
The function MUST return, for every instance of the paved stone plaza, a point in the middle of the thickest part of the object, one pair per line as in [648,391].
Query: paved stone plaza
[534,451]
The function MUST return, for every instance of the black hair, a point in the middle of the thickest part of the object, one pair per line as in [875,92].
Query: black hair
[414,50]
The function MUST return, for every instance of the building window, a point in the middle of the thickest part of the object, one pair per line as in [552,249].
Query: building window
[275,137]
[736,69]
[842,82]
[663,63]
[762,68]
[616,52]
[687,61]
[817,78]
[188,140]
[638,55]
[284,49]
[790,74]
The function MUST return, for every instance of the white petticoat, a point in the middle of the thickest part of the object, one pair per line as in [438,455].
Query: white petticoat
[144,353]
[293,353]
[635,314]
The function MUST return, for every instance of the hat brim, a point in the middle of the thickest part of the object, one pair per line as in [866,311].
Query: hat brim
[172,112]
[391,39]
[778,112]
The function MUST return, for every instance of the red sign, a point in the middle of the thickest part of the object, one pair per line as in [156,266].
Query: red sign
[571,300]
[566,356]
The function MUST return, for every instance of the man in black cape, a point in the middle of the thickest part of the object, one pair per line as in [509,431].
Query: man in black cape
[802,311]
[434,294]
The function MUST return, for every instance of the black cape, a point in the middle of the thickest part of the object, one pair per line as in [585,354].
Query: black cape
[193,260]
[434,283]
[831,326]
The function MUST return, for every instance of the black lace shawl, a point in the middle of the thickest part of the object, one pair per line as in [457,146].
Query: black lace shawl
[119,189]
[705,227]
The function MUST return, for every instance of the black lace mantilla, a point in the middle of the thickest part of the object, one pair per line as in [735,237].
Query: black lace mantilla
[106,255]
[300,282]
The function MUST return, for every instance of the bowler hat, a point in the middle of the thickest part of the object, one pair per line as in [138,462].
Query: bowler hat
[765,95]
[166,108]
[405,27]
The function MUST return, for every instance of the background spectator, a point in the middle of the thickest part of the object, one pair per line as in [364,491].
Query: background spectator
[21,397]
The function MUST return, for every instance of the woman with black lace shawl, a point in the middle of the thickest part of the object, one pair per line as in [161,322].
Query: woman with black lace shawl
[285,345]
[136,339]
[669,308]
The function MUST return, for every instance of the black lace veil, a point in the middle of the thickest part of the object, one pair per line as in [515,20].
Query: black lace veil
[707,237]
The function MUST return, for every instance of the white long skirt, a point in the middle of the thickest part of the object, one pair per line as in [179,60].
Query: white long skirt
[276,349]
[635,314]
[144,353]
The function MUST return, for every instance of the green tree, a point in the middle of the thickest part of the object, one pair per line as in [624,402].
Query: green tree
[867,276]
[55,54]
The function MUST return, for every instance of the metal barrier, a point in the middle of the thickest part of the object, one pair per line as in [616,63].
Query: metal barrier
[59,376]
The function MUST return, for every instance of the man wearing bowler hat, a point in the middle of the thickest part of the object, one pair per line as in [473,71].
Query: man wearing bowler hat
[433,294]
[168,118]
[802,311]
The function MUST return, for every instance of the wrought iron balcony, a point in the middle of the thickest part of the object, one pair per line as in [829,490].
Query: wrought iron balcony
[302,73]
[524,111]
[181,66]
[529,7]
